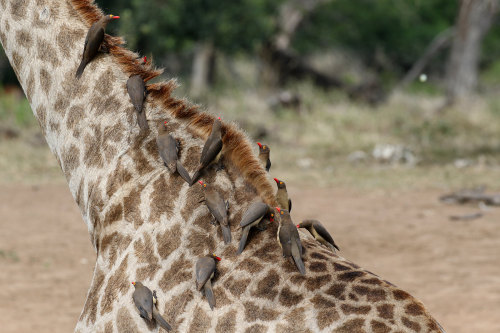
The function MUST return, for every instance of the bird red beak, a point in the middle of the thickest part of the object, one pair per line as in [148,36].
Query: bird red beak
[219,118]
[218,259]
[298,225]
[133,283]
[271,219]
[260,144]
[145,59]
[276,180]
[201,183]
[115,17]
[278,209]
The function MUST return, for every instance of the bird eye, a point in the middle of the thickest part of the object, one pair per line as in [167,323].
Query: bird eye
[281,213]
[281,183]
[204,185]
[272,215]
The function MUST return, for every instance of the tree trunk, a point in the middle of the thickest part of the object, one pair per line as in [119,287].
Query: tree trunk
[202,75]
[473,21]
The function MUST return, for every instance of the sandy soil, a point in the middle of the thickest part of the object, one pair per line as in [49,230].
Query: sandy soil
[46,258]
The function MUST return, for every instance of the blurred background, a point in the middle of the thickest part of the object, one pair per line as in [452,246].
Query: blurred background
[372,109]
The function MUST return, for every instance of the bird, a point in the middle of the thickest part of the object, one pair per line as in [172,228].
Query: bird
[168,148]
[93,41]
[289,239]
[218,208]
[319,232]
[211,150]
[137,91]
[264,152]
[282,196]
[143,300]
[252,217]
[205,270]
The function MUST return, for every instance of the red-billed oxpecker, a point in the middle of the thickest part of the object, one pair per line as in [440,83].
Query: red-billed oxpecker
[168,148]
[205,270]
[137,91]
[93,42]
[319,232]
[211,150]
[282,196]
[289,239]
[143,300]
[264,152]
[254,214]
[218,208]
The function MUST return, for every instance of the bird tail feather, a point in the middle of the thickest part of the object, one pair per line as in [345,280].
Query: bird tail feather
[159,319]
[209,294]
[226,233]
[298,260]
[142,121]
[243,239]
[80,69]
[195,177]
[183,172]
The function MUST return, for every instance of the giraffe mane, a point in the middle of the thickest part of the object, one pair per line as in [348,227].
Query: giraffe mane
[237,146]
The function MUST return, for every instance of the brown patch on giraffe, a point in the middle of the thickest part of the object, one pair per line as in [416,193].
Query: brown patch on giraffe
[401,295]
[108,328]
[80,200]
[169,241]
[338,267]
[253,312]
[45,80]
[201,221]
[114,133]
[144,250]
[336,290]
[321,302]
[92,156]
[326,317]
[350,276]
[147,272]
[372,281]
[104,83]
[50,13]
[114,214]
[295,322]
[372,295]
[131,204]
[411,324]
[74,116]
[317,255]
[70,159]
[379,327]
[267,286]
[351,309]
[298,279]
[23,38]
[54,127]
[175,306]
[90,307]
[3,4]
[201,322]
[181,270]
[18,9]
[163,197]
[117,243]
[62,104]
[30,87]
[41,113]
[193,196]
[317,282]
[317,266]
[124,321]
[250,265]
[386,311]
[141,162]
[200,243]
[268,252]
[67,38]
[119,177]
[289,298]
[415,309]
[117,284]
[256,328]
[353,297]
[192,157]
[221,298]
[236,286]
[46,52]
[352,326]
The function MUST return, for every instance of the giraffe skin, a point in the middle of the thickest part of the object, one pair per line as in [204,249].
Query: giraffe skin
[147,225]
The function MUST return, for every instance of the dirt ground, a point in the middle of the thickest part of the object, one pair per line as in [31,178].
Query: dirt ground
[46,258]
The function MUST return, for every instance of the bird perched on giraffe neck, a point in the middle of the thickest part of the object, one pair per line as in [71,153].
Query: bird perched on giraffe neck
[137,91]
[168,148]
[143,300]
[252,217]
[264,152]
[319,232]
[93,42]
[218,208]
[205,271]
[211,150]
[282,196]
[289,239]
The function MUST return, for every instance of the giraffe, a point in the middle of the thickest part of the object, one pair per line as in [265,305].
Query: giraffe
[148,225]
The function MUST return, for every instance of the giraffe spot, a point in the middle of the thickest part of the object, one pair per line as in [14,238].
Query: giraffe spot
[256,328]
[268,252]
[42,17]
[339,267]
[116,243]
[144,250]
[221,298]
[147,272]
[201,321]
[3,4]
[250,265]
[351,309]
[114,133]
[201,222]
[401,295]
[386,311]
[236,287]
[114,214]
[30,87]
[104,83]
[253,312]
[141,162]
[18,9]
[288,298]
[90,307]
[108,328]
[79,195]
[169,241]
[295,321]
[41,114]
[45,80]
[119,177]
[192,157]
[350,276]
[321,302]
[379,327]
[54,127]
[326,317]
[414,309]
[411,324]
[353,297]
[163,197]
[117,284]
[67,38]
[70,159]
[336,290]
[200,243]
[131,209]
[298,279]
[175,307]
[267,286]
[317,282]
[352,326]
[193,196]
[373,281]
[46,52]
[180,271]
[317,266]
[61,104]
[372,295]
[124,321]
[23,38]
[92,156]
[74,116]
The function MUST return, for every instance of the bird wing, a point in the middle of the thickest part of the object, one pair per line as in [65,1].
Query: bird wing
[143,300]
[323,232]
[136,89]
[204,269]
[217,207]
[209,153]
[168,150]
[94,40]
[286,241]
[256,211]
